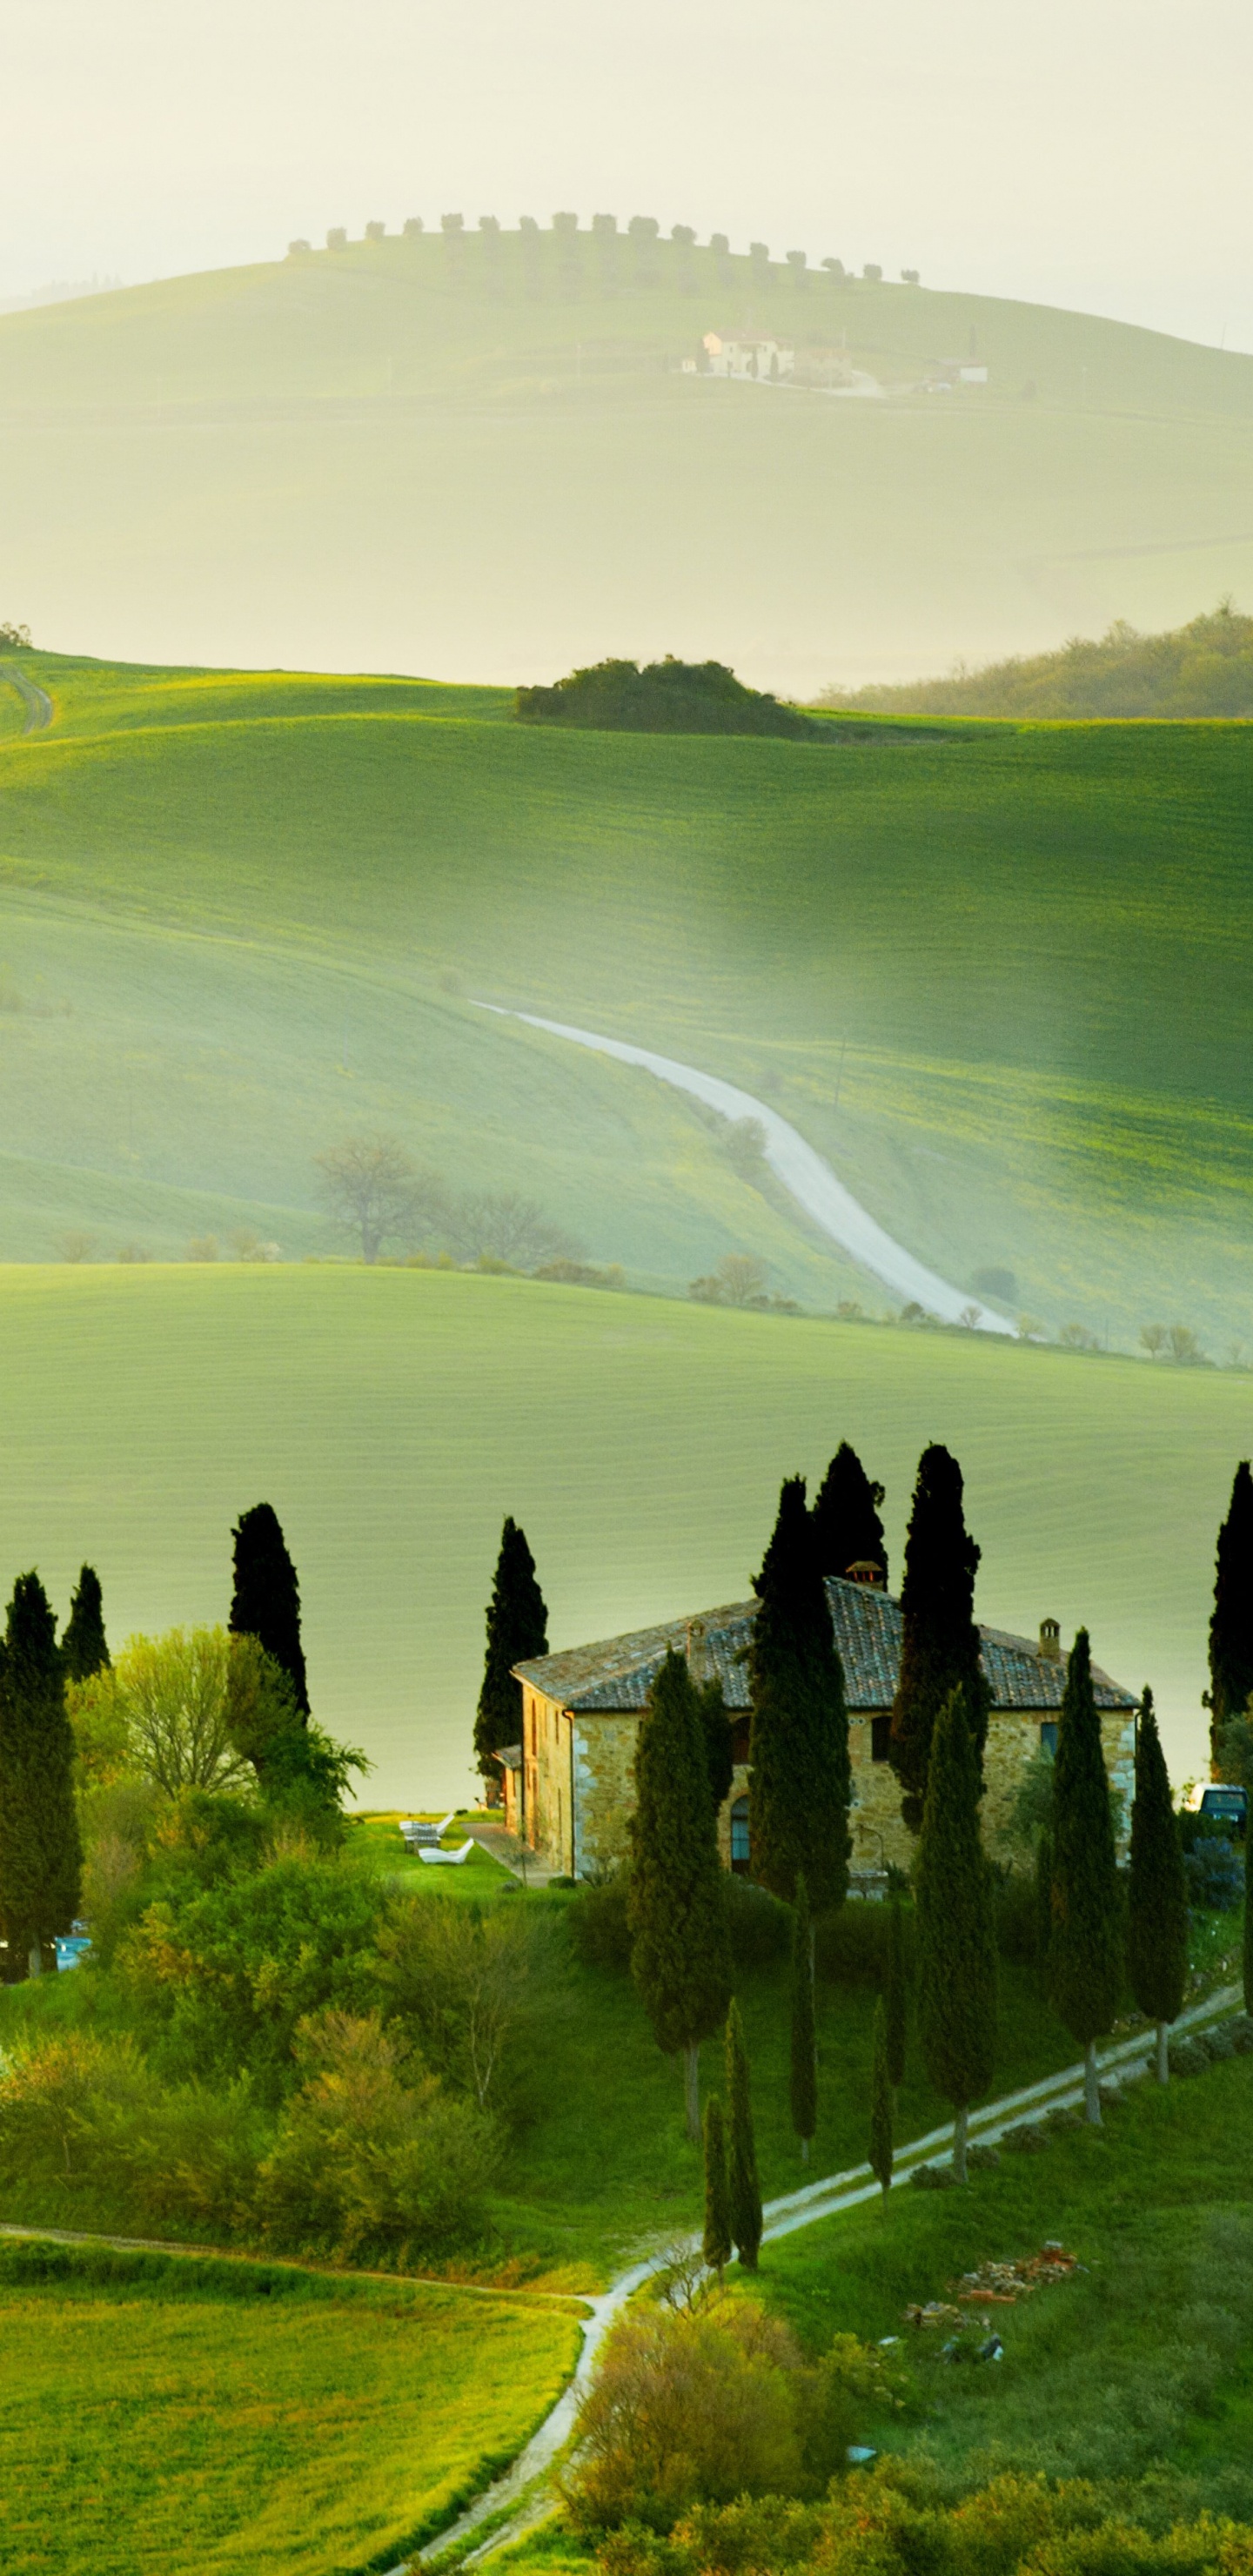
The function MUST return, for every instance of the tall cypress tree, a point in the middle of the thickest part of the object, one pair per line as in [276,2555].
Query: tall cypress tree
[895,1995]
[956,1937]
[847,1527]
[266,1600]
[1231,1627]
[84,1648]
[803,2063]
[41,1856]
[743,2187]
[680,1957]
[939,1639]
[1085,1943]
[881,2147]
[716,2242]
[801,1784]
[1043,1902]
[1157,1903]
[517,1630]
[1247,1961]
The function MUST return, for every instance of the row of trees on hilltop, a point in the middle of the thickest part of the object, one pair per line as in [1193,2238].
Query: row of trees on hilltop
[638,255]
[195,1710]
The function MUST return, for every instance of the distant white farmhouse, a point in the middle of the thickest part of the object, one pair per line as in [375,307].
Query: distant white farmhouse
[760,361]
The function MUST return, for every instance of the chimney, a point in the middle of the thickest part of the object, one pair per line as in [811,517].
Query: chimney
[1050,1642]
[694,1648]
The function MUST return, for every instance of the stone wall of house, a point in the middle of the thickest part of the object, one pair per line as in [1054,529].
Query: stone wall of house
[738,1789]
[604,1783]
[1013,1739]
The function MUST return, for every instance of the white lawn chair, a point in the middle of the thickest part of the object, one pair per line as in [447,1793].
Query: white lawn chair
[417,1830]
[447,1860]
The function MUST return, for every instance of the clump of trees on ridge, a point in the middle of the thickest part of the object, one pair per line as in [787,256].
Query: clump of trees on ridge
[663,697]
[1202,669]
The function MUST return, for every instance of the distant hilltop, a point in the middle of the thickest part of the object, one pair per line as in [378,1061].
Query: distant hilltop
[1202,669]
[625,258]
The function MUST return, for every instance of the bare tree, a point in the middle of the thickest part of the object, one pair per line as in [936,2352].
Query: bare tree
[1185,1349]
[374,1189]
[76,1246]
[1153,1337]
[507,1227]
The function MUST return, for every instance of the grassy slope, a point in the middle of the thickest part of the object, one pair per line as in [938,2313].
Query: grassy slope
[174,2423]
[355,457]
[1020,932]
[394,1417]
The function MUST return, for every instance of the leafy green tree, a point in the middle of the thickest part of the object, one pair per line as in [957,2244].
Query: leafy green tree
[743,2186]
[266,1599]
[1157,1897]
[956,1936]
[298,1766]
[84,1647]
[801,1784]
[1231,1627]
[803,2092]
[41,1856]
[716,2242]
[896,1995]
[680,1954]
[939,1642]
[1085,1942]
[881,2105]
[847,1527]
[517,1630]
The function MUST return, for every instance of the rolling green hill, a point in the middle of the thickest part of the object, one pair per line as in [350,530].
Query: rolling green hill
[998,974]
[393,1417]
[490,461]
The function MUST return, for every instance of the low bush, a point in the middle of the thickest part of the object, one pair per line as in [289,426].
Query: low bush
[371,2155]
[712,2402]
[456,1979]
[1215,1874]
[760,1925]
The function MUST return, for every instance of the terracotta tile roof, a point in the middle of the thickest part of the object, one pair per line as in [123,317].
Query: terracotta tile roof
[619,1673]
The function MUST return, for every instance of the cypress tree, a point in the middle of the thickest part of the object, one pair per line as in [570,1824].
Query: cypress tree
[956,1939]
[84,1648]
[680,1957]
[265,1603]
[939,1639]
[716,2241]
[743,2187]
[517,1630]
[1231,1627]
[1043,1901]
[40,1853]
[804,2037]
[801,1784]
[1157,1905]
[1085,1943]
[718,1747]
[845,1516]
[895,1995]
[881,2105]
[1248,1937]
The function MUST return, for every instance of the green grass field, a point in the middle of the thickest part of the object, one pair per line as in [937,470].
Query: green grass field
[393,1417]
[458,466]
[997,974]
[195,2416]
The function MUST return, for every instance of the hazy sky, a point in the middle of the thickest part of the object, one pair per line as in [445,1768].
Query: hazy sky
[1083,152]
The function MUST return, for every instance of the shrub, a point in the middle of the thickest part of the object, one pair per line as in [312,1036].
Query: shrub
[79,2109]
[932,2177]
[456,1977]
[760,1924]
[598,1921]
[708,2403]
[1215,1874]
[371,2153]
[663,697]
[852,1945]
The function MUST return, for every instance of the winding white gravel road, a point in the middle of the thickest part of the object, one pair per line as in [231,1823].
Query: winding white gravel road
[38,702]
[810,1180]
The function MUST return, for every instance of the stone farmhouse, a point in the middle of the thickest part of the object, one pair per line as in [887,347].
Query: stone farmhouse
[569,1785]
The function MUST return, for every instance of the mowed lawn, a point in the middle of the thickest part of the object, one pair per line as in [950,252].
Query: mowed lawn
[165,2425]
[393,1418]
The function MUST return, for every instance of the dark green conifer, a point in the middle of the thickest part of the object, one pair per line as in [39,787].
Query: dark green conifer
[517,1631]
[847,1527]
[680,1956]
[804,2037]
[41,1855]
[266,1600]
[801,1784]
[895,1995]
[743,2187]
[1043,1901]
[716,2243]
[1157,1896]
[956,1938]
[1085,1942]
[84,1649]
[718,1742]
[1247,1962]
[881,2105]
[939,1639]
[1231,1627]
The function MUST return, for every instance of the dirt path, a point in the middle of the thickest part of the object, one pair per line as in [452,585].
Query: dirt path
[38,703]
[803,1172]
[524,2487]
